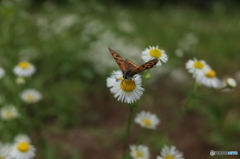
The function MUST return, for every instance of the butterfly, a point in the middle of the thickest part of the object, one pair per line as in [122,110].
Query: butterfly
[128,67]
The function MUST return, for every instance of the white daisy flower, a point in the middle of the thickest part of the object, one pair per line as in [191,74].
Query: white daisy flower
[22,150]
[147,120]
[115,76]
[31,96]
[127,90]
[22,138]
[197,66]
[2,72]
[139,152]
[208,79]
[4,151]
[231,83]
[170,153]
[9,112]
[24,69]
[154,52]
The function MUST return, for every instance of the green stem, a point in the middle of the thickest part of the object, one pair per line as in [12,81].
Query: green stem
[125,149]
[179,113]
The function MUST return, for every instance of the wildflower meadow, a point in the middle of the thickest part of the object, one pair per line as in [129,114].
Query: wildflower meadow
[119,79]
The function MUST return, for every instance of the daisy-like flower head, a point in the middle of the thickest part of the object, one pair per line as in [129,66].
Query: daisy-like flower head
[231,83]
[4,151]
[170,153]
[2,72]
[126,90]
[22,138]
[31,96]
[115,76]
[154,52]
[139,152]
[9,112]
[22,150]
[197,66]
[147,120]
[24,69]
[209,78]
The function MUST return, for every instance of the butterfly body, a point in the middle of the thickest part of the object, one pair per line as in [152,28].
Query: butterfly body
[128,67]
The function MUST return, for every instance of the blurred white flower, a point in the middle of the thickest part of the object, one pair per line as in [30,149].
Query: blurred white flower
[147,120]
[170,153]
[9,112]
[197,66]
[22,150]
[231,83]
[20,80]
[154,52]
[4,151]
[22,138]
[64,23]
[31,96]
[139,152]
[209,79]
[24,69]
[179,52]
[2,72]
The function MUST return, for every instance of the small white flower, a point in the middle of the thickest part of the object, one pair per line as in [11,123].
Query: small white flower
[9,112]
[126,90]
[139,152]
[154,52]
[147,120]
[115,76]
[208,79]
[31,96]
[24,69]
[22,150]
[170,153]
[231,83]
[2,72]
[197,67]
[22,138]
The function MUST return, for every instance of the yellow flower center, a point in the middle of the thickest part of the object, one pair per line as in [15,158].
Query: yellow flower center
[211,74]
[128,85]
[9,114]
[147,122]
[156,53]
[23,146]
[1,158]
[139,154]
[198,64]
[169,157]
[24,65]
[30,98]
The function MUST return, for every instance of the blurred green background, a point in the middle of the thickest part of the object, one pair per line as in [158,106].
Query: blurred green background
[68,43]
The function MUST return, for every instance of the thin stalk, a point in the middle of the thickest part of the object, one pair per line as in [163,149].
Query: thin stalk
[125,149]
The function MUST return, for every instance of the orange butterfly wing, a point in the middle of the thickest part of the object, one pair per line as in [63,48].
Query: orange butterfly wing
[143,67]
[118,59]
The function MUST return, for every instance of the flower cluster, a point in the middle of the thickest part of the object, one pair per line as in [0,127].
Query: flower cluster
[203,73]
[142,152]
[21,147]
[130,89]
